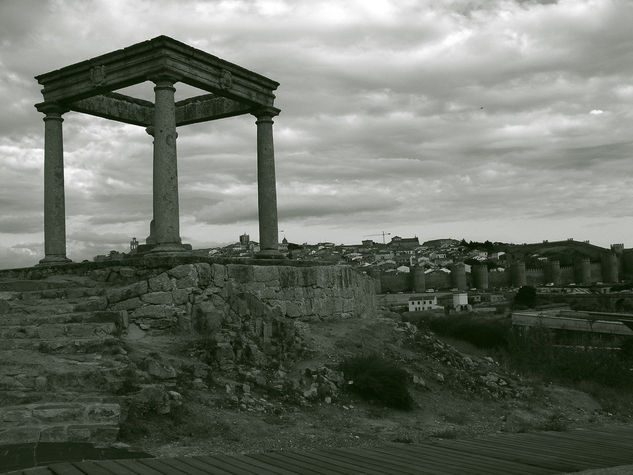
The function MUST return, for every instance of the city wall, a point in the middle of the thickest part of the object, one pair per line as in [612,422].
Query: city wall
[610,269]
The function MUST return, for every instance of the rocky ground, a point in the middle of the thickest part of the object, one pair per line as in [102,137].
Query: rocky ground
[197,359]
[303,401]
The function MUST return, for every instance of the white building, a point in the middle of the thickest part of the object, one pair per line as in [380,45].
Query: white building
[436,301]
[423,302]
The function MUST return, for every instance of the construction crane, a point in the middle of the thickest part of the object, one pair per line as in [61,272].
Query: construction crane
[383,234]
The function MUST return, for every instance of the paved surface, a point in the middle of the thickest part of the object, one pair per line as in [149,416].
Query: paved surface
[536,453]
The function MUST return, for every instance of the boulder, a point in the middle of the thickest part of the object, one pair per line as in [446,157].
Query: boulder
[161,283]
[159,298]
[206,317]
[123,293]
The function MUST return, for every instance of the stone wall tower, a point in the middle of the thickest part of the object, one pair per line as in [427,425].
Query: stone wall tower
[553,272]
[609,264]
[582,268]
[419,279]
[517,274]
[480,274]
[458,276]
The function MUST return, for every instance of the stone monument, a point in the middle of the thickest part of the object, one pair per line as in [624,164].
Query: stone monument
[87,87]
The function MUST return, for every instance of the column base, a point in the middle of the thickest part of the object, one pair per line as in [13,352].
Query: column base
[169,248]
[269,254]
[54,260]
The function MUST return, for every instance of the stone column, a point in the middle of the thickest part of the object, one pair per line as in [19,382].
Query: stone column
[151,239]
[166,212]
[266,185]
[54,201]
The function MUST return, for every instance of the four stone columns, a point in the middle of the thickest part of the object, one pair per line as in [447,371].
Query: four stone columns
[54,202]
[165,226]
[165,197]
[266,185]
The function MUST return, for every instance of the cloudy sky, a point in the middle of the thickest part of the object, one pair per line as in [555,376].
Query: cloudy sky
[483,119]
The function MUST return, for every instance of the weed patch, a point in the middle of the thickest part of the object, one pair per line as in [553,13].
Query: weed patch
[483,333]
[375,378]
[535,351]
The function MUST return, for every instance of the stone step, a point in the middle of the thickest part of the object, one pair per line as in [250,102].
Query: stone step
[65,293]
[18,307]
[19,397]
[100,316]
[27,370]
[96,433]
[72,412]
[52,306]
[31,285]
[108,375]
[50,331]
[29,357]
[59,345]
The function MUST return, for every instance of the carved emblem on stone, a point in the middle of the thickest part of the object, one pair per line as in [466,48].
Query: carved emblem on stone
[97,75]
[226,80]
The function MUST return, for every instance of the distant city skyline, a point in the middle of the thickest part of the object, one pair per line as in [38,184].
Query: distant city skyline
[502,120]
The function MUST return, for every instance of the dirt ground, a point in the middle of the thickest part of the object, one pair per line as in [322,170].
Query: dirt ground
[459,392]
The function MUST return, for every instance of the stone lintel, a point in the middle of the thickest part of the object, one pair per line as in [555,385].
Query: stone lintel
[142,61]
[221,79]
[208,107]
[117,107]
[122,108]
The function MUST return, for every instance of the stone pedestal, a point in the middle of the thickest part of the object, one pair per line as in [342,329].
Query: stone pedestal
[54,201]
[266,186]
[166,211]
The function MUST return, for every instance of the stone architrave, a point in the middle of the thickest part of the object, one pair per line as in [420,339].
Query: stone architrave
[88,87]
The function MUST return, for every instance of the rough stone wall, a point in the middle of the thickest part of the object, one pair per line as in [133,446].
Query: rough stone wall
[167,290]
[171,298]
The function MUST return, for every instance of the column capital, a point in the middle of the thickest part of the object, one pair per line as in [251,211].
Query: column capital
[52,110]
[265,114]
[164,81]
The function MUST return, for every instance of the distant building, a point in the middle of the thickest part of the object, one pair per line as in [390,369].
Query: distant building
[422,303]
[283,246]
[404,243]
[495,255]
[441,300]
[244,240]
[455,301]
[383,256]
